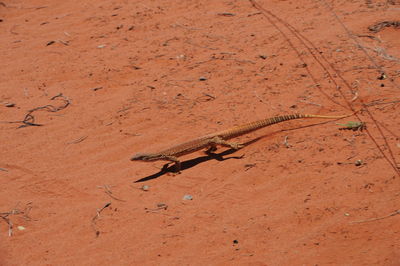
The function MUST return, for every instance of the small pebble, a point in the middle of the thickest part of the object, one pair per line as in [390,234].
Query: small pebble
[162,205]
[9,105]
[358,163]
[145,188]
[202,78]
[382,76]
[187,197]
[21,228]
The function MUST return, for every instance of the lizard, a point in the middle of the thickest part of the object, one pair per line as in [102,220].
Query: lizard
[220,138]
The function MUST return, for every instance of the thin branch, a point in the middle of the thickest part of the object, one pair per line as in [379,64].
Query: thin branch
[97,216]
[377,218]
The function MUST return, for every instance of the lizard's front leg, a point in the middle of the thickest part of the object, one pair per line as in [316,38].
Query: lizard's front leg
[175,160]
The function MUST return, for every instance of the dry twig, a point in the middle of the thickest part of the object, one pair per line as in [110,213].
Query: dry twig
[29,119]
[377,218]
[78,140]
[379,26]
[97,216]
[15,211]
[108,191]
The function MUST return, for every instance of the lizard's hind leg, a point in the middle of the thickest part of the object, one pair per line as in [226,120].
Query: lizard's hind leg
[211,149]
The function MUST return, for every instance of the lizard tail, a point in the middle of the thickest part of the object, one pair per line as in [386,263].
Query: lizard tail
[246,128]
[323,116]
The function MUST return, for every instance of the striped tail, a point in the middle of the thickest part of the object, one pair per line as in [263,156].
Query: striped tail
[252,126]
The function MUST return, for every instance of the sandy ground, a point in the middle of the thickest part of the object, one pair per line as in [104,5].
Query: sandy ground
[143,75]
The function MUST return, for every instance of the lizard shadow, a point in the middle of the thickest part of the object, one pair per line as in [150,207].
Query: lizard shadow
[217,156]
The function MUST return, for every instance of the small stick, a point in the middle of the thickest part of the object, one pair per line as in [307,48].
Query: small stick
[379,103]
[377,218]
[63,42]
[355,97]
[226,14]
[160,206]
[369,36]
[205,98]
[78,140]
[286,143]
[185,27]
[98,211]
[258,97]
[107,190]
[15,211]
[308,102]
[10,225]
[29,119]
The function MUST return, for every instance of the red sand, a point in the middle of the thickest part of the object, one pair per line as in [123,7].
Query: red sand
[279,205]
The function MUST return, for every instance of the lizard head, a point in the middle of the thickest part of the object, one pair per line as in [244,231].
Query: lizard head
[146,157]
